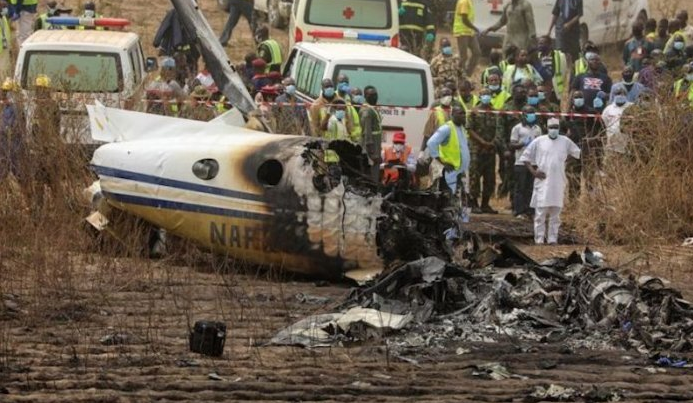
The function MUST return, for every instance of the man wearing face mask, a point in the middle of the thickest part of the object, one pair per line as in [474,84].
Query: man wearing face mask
[592,82]
[397,158]
[372,129]
[616,140]
[445,66]
[587,133]
[522,135]
[318,110]
[637,48]
[632,87]
[450,152]
[483,128]
[675,55]
[335,123]
[544,106]
[343,88]
[268,49]
[680,29]
[545,158]
[290,111]
[683,88]
[506,122]
[494,58]
[499,96]
[466,98]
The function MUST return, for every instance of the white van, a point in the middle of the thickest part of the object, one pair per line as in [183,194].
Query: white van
[603,21]
[404,82]
[374,21]
[84,65]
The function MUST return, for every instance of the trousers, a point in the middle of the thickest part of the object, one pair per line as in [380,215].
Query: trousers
[540,216]
[471,43]
[522,189]
[236,9]
[483,168]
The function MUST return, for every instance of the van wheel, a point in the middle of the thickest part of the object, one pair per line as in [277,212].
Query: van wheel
[273,15]
[584,35]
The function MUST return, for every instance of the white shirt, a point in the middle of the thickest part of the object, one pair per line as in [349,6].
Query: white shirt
[549,156]
[616,141]
[520,134]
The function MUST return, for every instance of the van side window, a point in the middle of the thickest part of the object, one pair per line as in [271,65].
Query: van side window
[290,63]
[309,74]
[132,55]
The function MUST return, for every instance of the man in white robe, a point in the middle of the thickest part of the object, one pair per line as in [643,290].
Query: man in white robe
[545,157]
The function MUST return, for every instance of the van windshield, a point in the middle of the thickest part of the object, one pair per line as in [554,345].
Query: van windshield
[396,86]
[368,14]
[72,71]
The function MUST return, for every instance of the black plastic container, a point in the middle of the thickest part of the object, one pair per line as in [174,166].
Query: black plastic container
[208,338]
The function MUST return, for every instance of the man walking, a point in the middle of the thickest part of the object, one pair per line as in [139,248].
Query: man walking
[566,19]
[466,32]
[518,15]
[236,9]
[545,158]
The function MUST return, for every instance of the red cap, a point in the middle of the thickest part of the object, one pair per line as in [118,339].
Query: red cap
[399,137]
[259,63]
[270,90]
[274,75]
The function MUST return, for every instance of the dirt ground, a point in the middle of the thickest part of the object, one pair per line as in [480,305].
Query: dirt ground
[52,324]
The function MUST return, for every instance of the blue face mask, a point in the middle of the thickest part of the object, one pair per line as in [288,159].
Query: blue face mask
[328,92]
[494,87]
[579,102]
[530,117]
[485,99]
[290,89]
[447,50]
[620,100]
[541,95]
[598,103]
[358,99]
[339,114]
[534,101]
[343,88]
[679,45]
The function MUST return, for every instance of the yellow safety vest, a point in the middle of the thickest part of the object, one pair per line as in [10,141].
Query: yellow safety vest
[468,108]
[499,100]
[25,2]
[275,53]
[559,69]
[459,28]
[5,34]
[580,66]
[503,65]
[680,33]
[441,116]
[677,90]
[355,124]
[450,153]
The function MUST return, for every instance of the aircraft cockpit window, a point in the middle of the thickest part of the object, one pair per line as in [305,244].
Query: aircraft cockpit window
[206,169]
[270,173]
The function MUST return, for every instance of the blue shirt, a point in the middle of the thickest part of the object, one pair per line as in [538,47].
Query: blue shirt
[441,137]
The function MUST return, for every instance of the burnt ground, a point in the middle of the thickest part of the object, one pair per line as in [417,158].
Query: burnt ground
[51,348]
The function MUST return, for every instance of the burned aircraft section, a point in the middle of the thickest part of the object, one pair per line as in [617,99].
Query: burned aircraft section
[325,207]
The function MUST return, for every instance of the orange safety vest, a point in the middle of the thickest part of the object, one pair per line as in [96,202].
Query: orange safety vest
[391,175]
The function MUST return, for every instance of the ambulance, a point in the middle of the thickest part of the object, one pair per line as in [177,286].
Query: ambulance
[603,21]
[371,21]
[404,81]
[84,65]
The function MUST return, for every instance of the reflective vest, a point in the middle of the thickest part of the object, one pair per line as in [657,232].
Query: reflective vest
[678,85]
[468,106]
[5,34]
[25,2]
[416,17]
[377,131]
[511,70]
[355,124]
[221,105]
[503,65]
[487,72]
[459,28]
[275,53]
[558,72]
[499,100]
[580,66]
[441,116]
[172,106]
[391,175]
[44,21]
[450,153]
[337,131]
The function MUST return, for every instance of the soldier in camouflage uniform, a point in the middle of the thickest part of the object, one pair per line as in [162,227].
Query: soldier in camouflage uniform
[506,122]
[544,106]
[445,66]
[483,129]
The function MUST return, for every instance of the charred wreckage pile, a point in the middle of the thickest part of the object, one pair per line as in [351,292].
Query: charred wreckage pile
[497,292]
